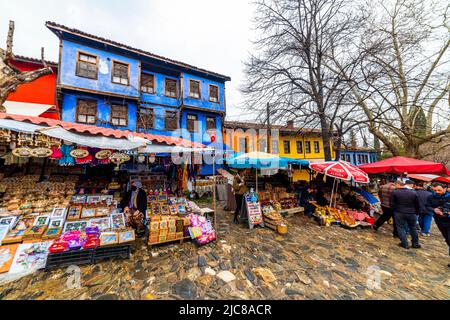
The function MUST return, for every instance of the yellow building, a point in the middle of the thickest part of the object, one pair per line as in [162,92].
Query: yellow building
[287,141]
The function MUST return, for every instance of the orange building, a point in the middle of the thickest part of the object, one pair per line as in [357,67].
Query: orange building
[37,98]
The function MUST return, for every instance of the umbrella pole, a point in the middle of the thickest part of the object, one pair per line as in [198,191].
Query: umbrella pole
[256,175]
[332,193]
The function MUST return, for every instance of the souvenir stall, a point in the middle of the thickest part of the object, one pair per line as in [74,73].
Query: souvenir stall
[59,198]
[273,205]
[338,213]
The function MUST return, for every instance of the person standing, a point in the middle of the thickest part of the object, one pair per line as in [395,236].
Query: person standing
[385,199]
[425,215]
[134,205]
[239,189]
[439,203]
[405,205]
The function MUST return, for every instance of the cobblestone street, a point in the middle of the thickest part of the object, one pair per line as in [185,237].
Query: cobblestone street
[311,262]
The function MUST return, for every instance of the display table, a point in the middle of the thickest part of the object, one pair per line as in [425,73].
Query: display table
[287,213]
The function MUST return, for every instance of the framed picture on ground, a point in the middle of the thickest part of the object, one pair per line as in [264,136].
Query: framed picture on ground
[30,257]
[126,236]
[56,223]
[7,254]
[74,213]
[103,224]
[42,221]
[109,238]
[8,222]
[87,213]
[59,213]
[52,233]
[76,225]
[102,212]
[118,221]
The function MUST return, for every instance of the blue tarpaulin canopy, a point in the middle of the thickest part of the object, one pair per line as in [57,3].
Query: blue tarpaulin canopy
[260,160]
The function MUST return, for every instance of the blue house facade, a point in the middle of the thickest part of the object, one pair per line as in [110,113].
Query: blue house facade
[359,156]
[104,83]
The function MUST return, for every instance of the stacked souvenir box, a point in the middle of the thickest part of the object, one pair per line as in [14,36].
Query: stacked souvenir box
[166,228]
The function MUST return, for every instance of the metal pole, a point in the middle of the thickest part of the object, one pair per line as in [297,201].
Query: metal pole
[269,142]
[214,194]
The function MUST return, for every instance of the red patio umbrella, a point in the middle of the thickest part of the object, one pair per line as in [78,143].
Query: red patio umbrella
[341,170]
[398,165]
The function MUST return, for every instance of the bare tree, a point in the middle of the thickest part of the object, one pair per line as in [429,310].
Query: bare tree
[10,76]
[403,77]
[289,66]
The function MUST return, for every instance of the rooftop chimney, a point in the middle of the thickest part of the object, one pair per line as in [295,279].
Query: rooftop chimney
[290,124]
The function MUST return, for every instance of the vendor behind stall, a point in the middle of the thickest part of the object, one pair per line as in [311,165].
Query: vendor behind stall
[134,205]
[349,197]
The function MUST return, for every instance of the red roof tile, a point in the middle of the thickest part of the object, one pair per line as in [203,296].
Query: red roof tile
[107,132]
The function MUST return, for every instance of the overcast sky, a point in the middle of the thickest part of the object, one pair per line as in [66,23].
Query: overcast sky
[211,34]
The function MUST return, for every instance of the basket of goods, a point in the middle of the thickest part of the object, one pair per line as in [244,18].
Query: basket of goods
[282,229]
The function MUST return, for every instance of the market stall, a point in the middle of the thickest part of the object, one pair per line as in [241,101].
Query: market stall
[266,206]
[337,212]
[61,187]
[401,165]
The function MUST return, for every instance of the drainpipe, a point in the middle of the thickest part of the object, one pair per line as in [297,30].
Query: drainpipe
[181,97]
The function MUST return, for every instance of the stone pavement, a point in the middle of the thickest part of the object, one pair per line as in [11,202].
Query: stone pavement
[311,262]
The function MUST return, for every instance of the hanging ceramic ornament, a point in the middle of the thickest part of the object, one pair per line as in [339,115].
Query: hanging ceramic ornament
[41,152]
[79,153]
[103,154]
[119,158]
[5,135]
[22,152]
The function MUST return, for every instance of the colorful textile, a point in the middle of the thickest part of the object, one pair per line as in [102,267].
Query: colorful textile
[67,159]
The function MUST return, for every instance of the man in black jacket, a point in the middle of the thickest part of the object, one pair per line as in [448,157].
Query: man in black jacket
[405,205]
[134,205]
[439,203]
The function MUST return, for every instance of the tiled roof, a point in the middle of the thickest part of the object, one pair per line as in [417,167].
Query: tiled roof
[55,26]
[283,129]
[34,60]
[107,132]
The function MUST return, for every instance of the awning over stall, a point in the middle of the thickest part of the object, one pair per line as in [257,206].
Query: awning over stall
[95,130]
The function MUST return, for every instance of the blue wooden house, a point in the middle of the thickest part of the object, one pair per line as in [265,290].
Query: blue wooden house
[358,156]
[108,84]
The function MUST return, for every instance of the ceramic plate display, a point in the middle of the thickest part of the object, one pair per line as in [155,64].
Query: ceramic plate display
[79,153]
[7,254]
[30,257]
[103,224]
[42,221]
[76,225]
[59,213]
[87,213]
[126,236]
[74,213]
[103,154]
[56,223]
[23,152]
[41,152]
[117,221]
[102,212]
[108,238]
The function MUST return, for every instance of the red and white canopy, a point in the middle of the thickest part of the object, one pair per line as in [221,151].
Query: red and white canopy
[341,170]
